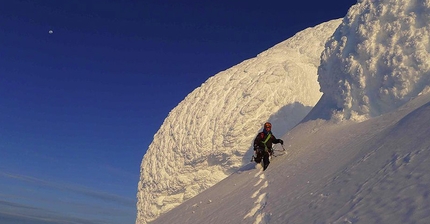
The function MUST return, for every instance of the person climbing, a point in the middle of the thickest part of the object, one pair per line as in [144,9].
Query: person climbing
[263,145]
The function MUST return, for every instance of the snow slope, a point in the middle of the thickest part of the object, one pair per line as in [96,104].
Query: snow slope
[208,135]
[376,171]
[362,155]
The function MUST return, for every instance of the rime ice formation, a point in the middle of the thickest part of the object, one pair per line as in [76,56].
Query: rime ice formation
[206,137]
[375,171]
[378,58]
[375,69]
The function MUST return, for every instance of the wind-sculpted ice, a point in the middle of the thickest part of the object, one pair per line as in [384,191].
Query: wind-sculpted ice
[378,59]
[209,134]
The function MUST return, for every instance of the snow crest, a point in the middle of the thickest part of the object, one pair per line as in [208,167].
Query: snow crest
[378,58]
[209,134]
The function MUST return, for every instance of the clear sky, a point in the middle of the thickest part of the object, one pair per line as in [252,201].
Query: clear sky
[79,106]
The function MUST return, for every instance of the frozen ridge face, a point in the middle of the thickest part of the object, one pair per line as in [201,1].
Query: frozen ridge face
[209,134]
[378,58]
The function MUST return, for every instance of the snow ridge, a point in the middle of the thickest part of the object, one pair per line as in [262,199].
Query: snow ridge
[374,69]
[209,134]
[378,59]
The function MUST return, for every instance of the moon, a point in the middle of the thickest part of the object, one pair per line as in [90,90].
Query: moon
[50,32]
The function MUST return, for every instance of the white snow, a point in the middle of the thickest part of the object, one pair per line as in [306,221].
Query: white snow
[208,135]
[378,58]
[361,155]
[375,171]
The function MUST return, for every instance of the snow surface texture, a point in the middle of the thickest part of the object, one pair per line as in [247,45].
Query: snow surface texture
[378,59]
[376,171]
[209,134]
[337,170]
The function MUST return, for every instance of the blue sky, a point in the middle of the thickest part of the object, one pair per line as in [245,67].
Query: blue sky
[79,107]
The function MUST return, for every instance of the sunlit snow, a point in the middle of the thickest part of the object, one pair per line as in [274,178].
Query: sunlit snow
[376,171]
[378,58]
[208,135]
[361,155]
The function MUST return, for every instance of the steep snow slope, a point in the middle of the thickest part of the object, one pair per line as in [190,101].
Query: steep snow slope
[374,69]
[375,171]
[208,135]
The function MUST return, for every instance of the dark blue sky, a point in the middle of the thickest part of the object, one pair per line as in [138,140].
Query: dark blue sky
[79,107]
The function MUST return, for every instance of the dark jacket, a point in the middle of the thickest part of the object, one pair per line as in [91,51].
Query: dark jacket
[261,137]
